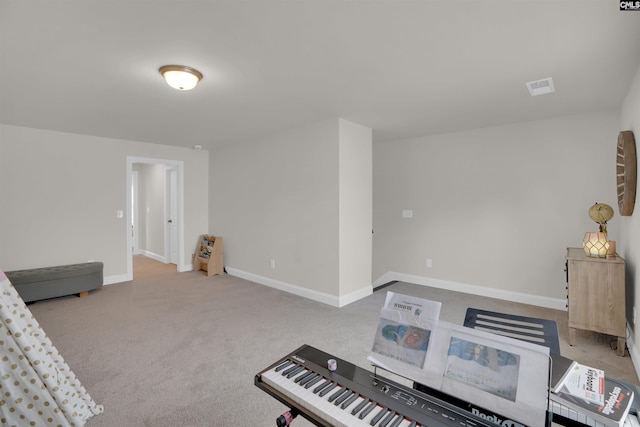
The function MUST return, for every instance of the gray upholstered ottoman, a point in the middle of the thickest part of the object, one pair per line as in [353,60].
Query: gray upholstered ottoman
[50,282]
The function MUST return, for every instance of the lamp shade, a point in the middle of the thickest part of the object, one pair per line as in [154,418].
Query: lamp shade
[595,244]
[180,77]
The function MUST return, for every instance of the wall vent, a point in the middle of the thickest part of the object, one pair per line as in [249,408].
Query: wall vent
[541,87]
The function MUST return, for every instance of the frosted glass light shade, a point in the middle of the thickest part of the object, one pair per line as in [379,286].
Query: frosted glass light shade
[595,244]
[181,77]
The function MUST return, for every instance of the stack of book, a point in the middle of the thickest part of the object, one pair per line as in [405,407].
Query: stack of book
[583,394]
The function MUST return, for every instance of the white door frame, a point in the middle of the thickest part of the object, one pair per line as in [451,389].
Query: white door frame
[179,165]
[135,223]
[171,214]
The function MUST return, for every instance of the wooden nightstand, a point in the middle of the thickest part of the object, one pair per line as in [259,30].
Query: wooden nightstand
[596,296]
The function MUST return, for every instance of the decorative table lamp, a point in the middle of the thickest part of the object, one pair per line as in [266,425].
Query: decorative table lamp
[596,243]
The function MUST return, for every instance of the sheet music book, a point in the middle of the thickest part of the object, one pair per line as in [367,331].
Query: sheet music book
[506,376]
[401,342]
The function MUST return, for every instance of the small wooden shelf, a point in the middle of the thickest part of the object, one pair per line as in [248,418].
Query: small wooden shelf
[208,256]
[596,295]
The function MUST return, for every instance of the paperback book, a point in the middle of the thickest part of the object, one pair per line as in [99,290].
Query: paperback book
[560,368]
[612,413]
[584,382]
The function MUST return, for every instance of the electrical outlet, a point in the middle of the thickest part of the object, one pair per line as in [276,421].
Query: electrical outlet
[429,263]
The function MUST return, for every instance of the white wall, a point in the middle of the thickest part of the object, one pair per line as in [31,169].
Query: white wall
[277,199]
[628,244]
[494,208]
[287,198]
[356,208]
[60,193]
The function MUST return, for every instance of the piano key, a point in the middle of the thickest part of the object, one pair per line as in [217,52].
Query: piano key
[359,407]
[564,411]
[295,372]
[573,415]
[297,394]
[285,385]
[284,365]
[349,401]
[294,366]
[293,376]
[369,418]
[379,416]
[302,377]
[337,394]
[340,416]
[330,413]
[368,409]
[582,418]
[320,406]
[343,397]
[322,386]
[314,381]
[328,389]
[346,410]
[302,380]
[308,378]
[386,420]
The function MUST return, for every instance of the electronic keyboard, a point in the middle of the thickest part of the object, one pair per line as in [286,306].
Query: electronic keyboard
[352,396]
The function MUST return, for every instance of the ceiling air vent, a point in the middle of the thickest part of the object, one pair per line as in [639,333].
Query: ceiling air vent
[541,87]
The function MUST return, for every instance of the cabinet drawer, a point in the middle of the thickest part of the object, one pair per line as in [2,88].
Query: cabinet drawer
[596,295]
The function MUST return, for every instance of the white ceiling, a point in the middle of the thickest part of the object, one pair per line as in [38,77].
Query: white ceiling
[402,68]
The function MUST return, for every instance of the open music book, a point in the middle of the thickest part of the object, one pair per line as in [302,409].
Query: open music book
[507,376]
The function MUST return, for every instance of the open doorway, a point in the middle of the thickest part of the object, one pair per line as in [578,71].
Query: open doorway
[155,206]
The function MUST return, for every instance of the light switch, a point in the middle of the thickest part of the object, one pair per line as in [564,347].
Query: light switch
[407,213]
[119,214]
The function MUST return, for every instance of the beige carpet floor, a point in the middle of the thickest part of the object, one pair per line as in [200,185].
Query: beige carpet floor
[182,349]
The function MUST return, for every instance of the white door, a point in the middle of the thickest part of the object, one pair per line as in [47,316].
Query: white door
[172,217]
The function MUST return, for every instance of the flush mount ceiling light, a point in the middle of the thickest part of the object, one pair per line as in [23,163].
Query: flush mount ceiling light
[180,77]
[541,87]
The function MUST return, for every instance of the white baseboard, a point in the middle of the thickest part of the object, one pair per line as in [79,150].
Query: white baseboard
[633,351]
[118,278]
[183,268]
[333,300]
[554,303]
[155,256]
[341,301]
